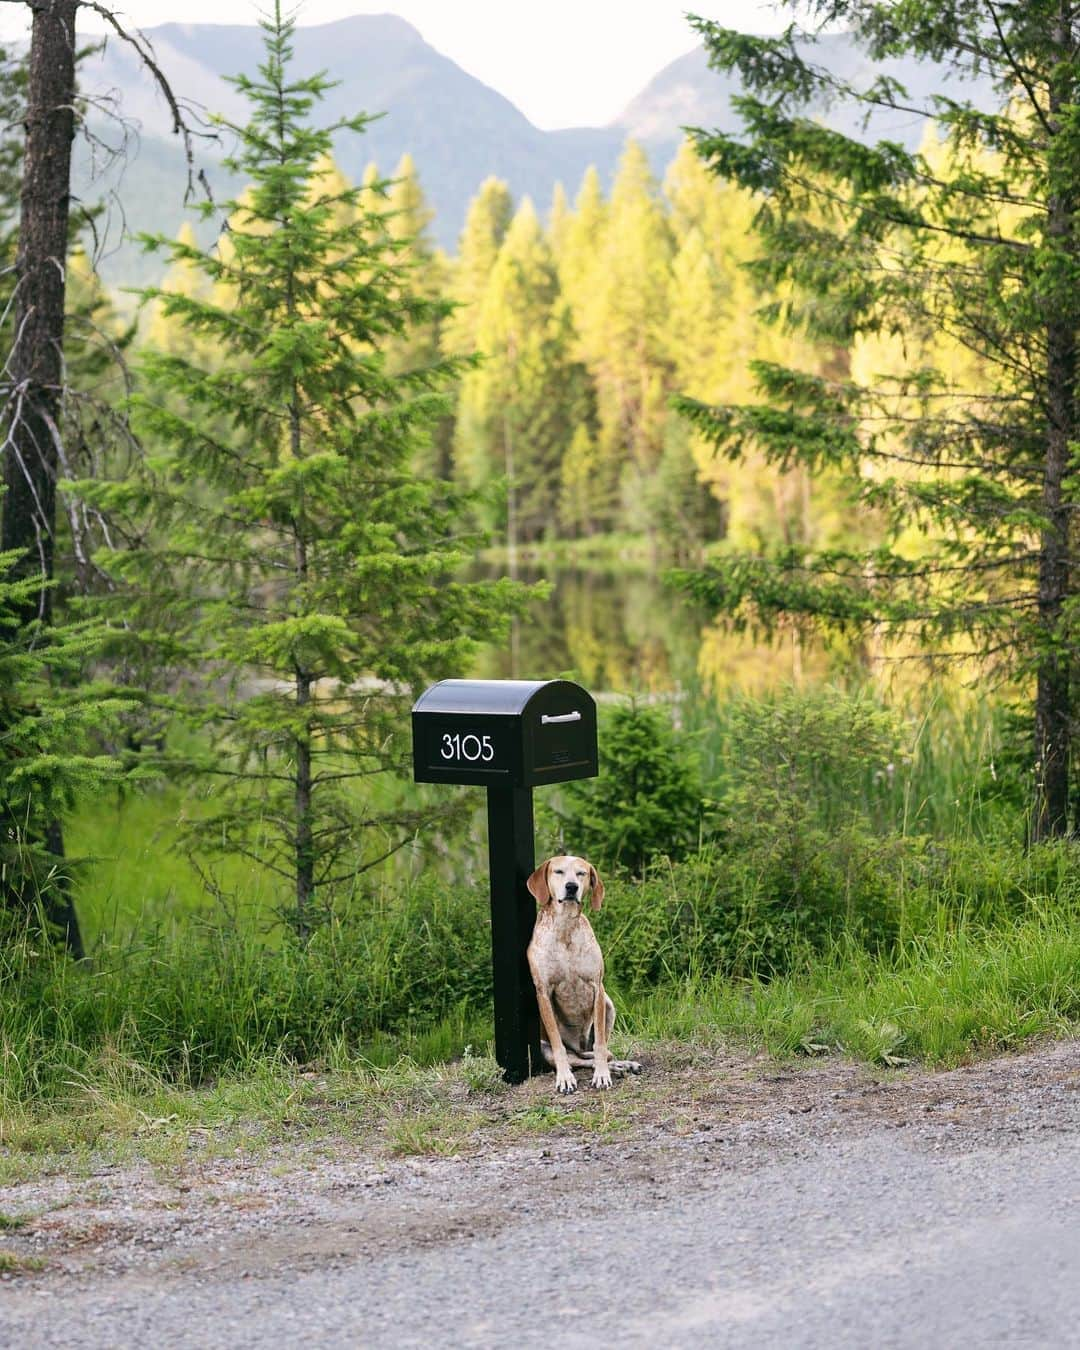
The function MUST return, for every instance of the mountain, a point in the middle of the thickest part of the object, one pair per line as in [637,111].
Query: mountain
[688,93]
[457,129]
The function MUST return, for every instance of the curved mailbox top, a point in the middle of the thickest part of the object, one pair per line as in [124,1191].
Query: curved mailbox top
[518,733]
[495,697]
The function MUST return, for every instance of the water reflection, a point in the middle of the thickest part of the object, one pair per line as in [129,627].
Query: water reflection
[622,629]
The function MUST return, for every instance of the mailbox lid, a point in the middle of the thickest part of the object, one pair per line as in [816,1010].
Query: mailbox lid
[488,698]
[560,735]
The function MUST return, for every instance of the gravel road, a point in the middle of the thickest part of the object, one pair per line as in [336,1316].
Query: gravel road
[823,1206]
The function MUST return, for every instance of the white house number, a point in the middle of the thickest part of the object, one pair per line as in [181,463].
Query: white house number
[469,747]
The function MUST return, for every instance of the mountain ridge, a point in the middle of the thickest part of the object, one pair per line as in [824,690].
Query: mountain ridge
[458,129]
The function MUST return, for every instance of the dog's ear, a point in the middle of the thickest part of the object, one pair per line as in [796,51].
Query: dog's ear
[596,888]
[538,884]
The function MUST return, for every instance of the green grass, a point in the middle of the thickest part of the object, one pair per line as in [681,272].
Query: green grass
[959,993]
[132,879]
[920,930]
[942,999]
[11,1263]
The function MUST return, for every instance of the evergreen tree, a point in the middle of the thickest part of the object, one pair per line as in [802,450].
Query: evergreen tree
[632,371]
[410,216]
[161,332]
[520,408]
[647,802]
[425,274]
[560,220]
[486,224]
[578,254]
[864,240]
[614,269]
[54,726]
[713,329]
[287,555]
[577,475]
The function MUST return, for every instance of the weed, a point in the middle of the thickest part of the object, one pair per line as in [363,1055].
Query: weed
[11,1263]
[440,1135]
[481,1073]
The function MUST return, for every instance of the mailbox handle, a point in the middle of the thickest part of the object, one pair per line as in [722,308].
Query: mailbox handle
[562,717]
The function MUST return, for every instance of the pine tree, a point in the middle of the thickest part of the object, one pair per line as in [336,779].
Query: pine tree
[55,724]
[290,557]
[520,408]
[486,224]
[184,277]
[425,274]
[560,220]
[577,477]
[579,251]
[713,330]
[862,240]
[614,270]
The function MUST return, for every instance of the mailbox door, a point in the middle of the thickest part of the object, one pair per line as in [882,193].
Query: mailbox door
[474,748]
[560,735]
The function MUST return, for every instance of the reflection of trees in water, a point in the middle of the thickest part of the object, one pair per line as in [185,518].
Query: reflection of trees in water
[728,660]
[613,630]
[625,631]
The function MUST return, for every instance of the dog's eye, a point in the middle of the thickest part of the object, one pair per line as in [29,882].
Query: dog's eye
[558,871]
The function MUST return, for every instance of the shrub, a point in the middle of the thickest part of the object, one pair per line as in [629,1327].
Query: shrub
[737,912]
[647,801]
[799,759]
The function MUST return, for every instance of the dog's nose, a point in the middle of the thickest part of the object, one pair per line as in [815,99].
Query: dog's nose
[571,888]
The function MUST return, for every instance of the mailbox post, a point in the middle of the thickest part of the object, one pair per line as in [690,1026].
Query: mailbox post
[508,736]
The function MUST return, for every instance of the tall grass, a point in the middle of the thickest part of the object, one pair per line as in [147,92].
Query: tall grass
[991,954]
[950,772]
[957,991]
[880,900]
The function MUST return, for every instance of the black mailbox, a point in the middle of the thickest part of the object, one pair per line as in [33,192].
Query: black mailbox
[521,733]
[508,736]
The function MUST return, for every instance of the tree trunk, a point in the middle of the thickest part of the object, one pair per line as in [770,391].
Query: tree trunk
[305,849]
[302,784]
[36,360]
[1053,711]
[35,363]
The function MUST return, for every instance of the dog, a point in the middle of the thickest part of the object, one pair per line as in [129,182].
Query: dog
[568,970]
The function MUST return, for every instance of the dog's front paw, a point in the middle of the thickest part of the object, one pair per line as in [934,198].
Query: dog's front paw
[565,1082]
[601,1078]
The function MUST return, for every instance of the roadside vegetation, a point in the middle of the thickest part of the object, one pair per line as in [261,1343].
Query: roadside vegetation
[299,518]
[870,897]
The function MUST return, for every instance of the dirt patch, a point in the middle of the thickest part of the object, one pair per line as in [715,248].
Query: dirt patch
[323,1197]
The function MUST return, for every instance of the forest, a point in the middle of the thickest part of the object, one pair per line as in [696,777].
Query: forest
[810,401]
[589,315]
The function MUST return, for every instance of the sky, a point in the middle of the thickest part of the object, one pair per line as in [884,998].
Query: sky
[563,63]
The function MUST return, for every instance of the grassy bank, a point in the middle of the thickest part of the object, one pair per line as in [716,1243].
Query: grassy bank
[857,883]
[979,958]
[103,1082]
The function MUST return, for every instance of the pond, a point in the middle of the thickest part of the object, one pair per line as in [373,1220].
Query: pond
[621,629]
